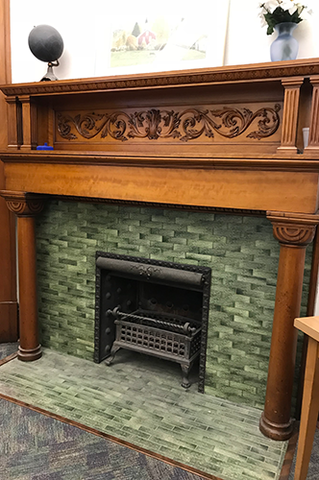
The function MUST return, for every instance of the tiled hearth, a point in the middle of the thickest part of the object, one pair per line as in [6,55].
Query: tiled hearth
[139,401]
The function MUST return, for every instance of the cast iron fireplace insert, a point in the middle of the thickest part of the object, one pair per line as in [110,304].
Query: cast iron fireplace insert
[153,307]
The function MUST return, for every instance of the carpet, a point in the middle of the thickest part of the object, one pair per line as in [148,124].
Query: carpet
[36,447]
[7,349]
[313,471]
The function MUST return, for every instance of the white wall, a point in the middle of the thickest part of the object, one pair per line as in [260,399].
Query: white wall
[247,41]
[85,29]
[73,20]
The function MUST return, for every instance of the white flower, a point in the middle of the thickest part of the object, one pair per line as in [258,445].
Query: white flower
[270,5]
[288,5]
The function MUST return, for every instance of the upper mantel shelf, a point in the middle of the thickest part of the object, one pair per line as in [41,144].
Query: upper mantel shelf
[229,137]
[205,76]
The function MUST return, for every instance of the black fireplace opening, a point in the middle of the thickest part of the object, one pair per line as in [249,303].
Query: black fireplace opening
[152,307]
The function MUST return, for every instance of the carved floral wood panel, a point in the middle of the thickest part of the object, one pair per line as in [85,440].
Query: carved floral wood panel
[179,125]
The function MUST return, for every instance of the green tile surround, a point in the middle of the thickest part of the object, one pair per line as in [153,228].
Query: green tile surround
[240,250]
[139,399]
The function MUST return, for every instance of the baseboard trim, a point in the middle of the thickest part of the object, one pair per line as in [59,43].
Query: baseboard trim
[7,359]
[287,464]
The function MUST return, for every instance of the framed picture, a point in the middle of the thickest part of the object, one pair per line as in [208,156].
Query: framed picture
[168,36]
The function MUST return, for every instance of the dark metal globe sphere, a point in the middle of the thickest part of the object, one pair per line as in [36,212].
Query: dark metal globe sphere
[46,43]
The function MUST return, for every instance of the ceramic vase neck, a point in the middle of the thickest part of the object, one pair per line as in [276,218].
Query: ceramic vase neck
[285,28]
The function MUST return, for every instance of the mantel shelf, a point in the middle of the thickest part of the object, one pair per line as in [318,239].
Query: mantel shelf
[225,138]
[269,71]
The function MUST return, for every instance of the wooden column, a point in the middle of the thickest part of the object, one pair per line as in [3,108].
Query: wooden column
[313,143]
[14,123]
[290,115]
[26,206]
[28,121]
[294,232]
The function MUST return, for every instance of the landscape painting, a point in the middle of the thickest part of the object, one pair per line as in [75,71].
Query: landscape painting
[157,40]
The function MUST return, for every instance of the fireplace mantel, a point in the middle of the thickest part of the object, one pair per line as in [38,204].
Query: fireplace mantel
[224,139]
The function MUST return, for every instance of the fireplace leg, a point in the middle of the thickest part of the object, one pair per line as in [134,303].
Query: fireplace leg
[26,206]
[29,348]
[185,370]
[110,359]
[293,237]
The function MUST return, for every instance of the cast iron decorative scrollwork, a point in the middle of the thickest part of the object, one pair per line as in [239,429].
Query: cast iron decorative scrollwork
[144,271]
[186,125]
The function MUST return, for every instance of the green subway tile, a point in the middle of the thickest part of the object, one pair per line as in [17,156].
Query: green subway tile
[241,252]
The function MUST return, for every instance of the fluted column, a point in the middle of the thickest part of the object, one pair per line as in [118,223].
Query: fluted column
[26,206]
[290,115]
[313,144]
[294,232]
[29,121]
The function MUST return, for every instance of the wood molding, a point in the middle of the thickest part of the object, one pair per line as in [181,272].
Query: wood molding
[23,204]
[8,295]
[293,229]
[191,208]
[227,74]
[269,163]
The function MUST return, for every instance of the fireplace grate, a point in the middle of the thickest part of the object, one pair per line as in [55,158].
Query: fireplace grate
[173,338]
[173,323]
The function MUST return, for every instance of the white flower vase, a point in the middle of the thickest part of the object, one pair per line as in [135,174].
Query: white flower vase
[285,46]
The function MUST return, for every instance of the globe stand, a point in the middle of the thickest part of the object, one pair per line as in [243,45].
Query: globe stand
[49,76]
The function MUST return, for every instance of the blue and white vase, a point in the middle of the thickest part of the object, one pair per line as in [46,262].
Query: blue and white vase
[285,46]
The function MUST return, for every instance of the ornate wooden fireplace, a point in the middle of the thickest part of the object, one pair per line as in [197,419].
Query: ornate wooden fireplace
[224,139]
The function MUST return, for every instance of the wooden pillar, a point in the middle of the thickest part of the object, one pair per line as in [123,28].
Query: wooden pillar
[313,143]
[294,232]
[26,206]
[14,123]
[28,122]
[290,115]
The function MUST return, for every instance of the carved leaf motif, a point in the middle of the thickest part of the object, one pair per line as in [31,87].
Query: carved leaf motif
[188,124]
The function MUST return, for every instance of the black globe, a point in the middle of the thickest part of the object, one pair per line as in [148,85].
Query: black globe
[46,43]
